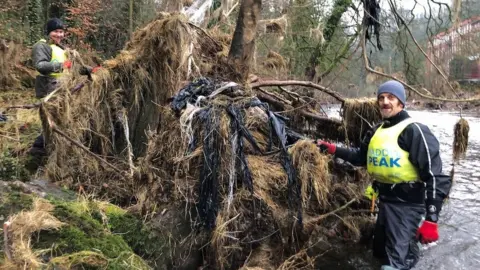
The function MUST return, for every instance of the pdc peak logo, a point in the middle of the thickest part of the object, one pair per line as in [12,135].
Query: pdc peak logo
[381,157]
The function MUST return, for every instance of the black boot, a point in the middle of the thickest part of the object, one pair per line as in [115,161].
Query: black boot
[37,154]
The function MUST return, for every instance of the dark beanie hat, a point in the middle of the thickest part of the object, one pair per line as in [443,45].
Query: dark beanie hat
[395,88]
[53,24]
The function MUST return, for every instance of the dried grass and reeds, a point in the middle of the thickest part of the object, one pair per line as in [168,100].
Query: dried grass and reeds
[358,116]
[19,232]
[14,74]
[219,158]
[460,139]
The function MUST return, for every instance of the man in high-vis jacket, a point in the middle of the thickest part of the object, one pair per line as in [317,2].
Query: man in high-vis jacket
[49,58]
[403,157]
[50,61]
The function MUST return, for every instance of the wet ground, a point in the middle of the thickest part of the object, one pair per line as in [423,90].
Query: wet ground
[458,246]
[459,226]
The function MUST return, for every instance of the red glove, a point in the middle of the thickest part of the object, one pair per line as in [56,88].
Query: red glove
[428,232]
[327,147]
[67,64]
[95,69]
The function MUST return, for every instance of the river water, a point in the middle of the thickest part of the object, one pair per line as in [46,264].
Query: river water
[459,225]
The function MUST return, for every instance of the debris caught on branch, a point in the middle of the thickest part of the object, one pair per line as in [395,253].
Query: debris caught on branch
[460,139]
[371,20]
[275,61]
[359,115]
[276,25]
[244,172]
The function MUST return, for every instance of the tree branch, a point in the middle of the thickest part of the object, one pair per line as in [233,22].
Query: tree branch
[273,101]
[28,106]
[81,146]
[319,218]
[277,96]
[330,92]
[315,117]
[420,48]
[286,107]
[37,104]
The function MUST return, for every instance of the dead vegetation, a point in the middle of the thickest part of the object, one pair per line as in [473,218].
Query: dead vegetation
[13,74]
[274,61]
[358,116]
[460,139]
[277,26]
[260,192]
[18,231]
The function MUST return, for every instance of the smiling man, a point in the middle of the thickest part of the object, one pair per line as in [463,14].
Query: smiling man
[51,62]
[403,157]
[49,58]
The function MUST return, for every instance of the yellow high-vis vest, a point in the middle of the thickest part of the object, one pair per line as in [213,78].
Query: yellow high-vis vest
[58,56]
[386,161]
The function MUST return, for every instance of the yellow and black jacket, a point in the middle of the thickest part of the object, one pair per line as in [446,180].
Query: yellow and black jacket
[48,67]
[417,144]
[48,59]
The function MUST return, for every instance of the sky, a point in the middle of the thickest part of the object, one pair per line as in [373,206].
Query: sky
[409,4]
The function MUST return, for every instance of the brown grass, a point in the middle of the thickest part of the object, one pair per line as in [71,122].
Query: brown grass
[460,139]
[23,225]
[300,260]
[124,112]
[358,115]
[312,170]
[261,259]
[276,25]
[269,179]
[274,61]
[9,57]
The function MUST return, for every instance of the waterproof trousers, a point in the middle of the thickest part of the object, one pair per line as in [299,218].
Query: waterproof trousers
[394,239]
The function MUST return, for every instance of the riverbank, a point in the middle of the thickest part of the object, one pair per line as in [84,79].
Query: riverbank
[467,107]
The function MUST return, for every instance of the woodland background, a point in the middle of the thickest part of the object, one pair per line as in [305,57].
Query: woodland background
[321,31]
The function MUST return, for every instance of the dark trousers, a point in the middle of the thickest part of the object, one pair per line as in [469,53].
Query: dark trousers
[38,147]
[394,240]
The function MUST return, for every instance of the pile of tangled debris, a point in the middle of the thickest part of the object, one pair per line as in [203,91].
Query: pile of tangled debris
[162,127]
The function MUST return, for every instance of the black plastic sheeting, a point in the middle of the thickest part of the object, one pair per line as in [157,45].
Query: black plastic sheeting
[208,204]
[372,20]
[209,184]
[238,126]
[190,93]
[278,127]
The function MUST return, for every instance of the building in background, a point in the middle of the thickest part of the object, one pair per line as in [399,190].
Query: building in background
[457,52]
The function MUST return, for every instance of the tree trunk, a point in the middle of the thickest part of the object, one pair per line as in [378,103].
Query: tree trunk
[333,21]
[243,42]
[171,5]
[45,11]
[33,21]
[130,20]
